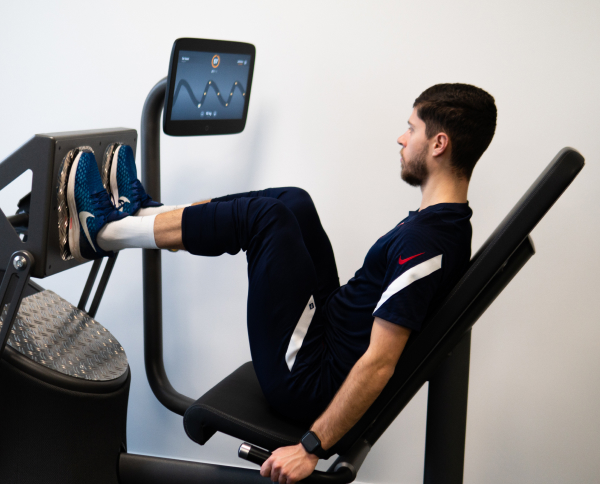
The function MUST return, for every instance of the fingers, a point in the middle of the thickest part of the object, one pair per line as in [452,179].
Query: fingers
[270,469]
[265,469]
[288,465]
[273,468]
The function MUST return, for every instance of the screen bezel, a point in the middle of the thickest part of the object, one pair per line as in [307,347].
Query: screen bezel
[211,126]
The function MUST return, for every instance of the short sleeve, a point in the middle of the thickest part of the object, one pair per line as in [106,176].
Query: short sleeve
[412,280]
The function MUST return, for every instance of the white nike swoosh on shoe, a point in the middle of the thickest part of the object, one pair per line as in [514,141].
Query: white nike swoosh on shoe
[83,216]
[123,200]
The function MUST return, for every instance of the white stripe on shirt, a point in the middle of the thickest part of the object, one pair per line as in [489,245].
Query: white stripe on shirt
[411,275]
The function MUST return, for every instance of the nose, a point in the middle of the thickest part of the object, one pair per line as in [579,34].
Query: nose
[402,140]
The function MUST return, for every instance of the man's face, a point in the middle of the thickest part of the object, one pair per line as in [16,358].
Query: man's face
[414,150]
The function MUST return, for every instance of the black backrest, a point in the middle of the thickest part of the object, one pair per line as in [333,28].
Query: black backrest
[496,262]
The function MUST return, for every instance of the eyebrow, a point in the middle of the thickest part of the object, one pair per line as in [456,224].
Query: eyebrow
[410,124]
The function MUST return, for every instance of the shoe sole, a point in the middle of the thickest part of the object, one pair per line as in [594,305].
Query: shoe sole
[109,172]
[64,218]
[74,225]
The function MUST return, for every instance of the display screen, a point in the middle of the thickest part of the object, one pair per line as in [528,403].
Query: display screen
[208,87]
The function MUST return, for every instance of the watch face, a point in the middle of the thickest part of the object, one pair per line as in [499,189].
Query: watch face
[310,442]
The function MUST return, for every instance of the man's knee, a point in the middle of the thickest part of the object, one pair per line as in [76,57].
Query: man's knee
[273,211]
[298,194]
[298,200]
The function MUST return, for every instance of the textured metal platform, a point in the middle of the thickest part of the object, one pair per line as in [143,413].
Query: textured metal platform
[57,335]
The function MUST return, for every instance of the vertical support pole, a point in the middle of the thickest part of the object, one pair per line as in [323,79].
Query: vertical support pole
[447,417]
[151,260]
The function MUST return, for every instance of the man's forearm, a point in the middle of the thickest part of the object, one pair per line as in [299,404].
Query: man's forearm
[363,385]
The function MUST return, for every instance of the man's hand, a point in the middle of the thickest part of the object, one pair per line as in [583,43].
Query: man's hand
[288,465]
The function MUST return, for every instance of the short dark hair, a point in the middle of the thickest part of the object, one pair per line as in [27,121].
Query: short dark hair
[467,114]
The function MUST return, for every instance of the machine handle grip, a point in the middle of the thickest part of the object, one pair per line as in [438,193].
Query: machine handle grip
[253,454]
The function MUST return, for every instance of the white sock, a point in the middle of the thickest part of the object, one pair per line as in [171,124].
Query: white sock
[127,233]
[142,212]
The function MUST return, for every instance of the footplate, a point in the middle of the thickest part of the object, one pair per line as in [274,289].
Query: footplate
[52,332]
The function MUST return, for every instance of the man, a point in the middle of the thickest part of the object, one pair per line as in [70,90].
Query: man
[322,352]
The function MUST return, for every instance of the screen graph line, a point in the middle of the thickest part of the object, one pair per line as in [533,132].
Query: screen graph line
[183,84]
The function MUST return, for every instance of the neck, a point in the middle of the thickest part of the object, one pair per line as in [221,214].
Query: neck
[443,188]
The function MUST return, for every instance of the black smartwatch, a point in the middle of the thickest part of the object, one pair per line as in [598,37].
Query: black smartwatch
[312,444]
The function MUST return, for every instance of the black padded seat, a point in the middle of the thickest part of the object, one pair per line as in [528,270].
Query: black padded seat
[237,407]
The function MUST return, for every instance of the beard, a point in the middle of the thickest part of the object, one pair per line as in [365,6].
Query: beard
[415,172]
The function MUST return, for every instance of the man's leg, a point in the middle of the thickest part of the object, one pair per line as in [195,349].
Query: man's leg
[299,202]
[165,225]
[158,231]
[285,322]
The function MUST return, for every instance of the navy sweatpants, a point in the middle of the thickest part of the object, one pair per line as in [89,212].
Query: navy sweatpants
[291,272]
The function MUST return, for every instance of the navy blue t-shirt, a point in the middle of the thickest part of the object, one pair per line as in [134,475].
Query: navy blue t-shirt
[404,276]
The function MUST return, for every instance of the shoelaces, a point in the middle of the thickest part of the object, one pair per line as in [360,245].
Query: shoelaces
[138,195]
[103,206]
[138,192]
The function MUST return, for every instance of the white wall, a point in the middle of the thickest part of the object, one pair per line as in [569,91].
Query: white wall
[333,87]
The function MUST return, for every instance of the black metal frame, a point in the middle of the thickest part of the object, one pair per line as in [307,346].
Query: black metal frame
[110,264]
[447,417]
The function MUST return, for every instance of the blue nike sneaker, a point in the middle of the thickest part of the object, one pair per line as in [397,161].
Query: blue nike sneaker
[119,177]
[90,208]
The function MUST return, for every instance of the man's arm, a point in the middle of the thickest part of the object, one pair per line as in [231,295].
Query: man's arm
[363,385]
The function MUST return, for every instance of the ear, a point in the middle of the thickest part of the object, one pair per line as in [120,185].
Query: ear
[441,144]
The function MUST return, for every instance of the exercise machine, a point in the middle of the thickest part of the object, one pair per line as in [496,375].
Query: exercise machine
[65,379]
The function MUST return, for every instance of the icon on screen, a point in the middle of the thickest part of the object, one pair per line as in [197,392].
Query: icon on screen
[216,60]
[201,114]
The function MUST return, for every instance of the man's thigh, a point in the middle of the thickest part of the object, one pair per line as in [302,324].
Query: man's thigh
[286,340]
[282,301]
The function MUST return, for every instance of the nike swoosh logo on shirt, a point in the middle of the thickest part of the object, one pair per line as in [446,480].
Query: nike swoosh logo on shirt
[83,216]
[404,261]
